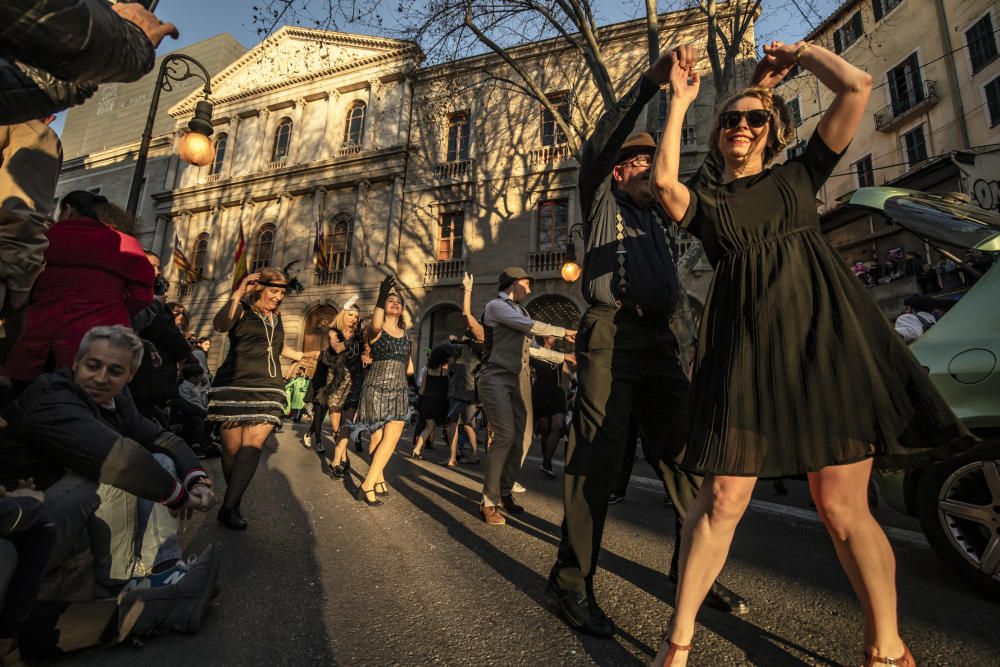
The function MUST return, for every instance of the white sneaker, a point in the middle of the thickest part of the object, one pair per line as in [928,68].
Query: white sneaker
[517,488]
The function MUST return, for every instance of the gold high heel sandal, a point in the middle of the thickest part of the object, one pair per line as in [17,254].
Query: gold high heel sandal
[674,648]
[905,660]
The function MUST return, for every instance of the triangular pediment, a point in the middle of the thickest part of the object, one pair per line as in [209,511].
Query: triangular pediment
[293,55]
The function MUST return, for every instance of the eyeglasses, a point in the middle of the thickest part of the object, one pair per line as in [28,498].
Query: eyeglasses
[641,160]
[756,118]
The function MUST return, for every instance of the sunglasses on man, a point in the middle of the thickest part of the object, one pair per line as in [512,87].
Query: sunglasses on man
[756,118]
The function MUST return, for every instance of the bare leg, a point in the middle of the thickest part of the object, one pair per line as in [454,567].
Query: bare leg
[423,436]
[373,442]
[840,494]
[707,536]
[470,431]
[389,437]
[453,444]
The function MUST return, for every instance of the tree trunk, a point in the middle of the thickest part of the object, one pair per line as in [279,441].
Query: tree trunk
[653,40]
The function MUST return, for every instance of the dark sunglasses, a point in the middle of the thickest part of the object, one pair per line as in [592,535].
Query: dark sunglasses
[756,118]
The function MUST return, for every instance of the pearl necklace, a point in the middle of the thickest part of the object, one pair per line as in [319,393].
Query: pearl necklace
[272,364]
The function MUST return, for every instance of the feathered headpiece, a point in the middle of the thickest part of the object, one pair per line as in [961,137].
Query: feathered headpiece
[351,303]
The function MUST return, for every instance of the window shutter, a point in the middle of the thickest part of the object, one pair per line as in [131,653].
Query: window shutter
[879,12]
[837,42]
[856,26]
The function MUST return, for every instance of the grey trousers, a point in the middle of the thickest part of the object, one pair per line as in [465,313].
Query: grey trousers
[506,398]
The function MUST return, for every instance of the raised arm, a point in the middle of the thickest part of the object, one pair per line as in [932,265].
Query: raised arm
[665,181]
[851,86]
[378,315]
[470,320]
[232,311]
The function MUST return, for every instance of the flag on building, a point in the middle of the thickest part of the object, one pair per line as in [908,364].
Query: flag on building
[320,257]
[184,265]
[240,260]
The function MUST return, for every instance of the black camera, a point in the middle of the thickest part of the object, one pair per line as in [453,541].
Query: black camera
[160,286]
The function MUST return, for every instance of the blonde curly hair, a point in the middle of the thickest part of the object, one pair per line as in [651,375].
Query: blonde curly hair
[781,132]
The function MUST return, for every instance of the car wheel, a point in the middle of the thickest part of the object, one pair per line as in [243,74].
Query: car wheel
[959,509]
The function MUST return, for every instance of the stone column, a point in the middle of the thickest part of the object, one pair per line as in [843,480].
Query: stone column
[281,237]
[370,137]
[318,221]
[298,136]
[230,160]
[330,133]
[360,247]
[263,146]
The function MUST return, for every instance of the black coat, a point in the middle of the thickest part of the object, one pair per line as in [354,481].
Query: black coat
[54,53]
[156,384]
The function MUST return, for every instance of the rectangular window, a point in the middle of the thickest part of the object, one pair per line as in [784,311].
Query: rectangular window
[848,33]
[906,88]
[883,7]
[795,108]
[915,144]
[458,136]
[796,150]
[552,134]
[450,226]
[992,90]
[982,43]
[864,172]
[553,225]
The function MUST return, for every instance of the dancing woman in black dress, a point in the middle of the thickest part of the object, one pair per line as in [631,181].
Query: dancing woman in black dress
[797,371]
[548,400]
[248,395]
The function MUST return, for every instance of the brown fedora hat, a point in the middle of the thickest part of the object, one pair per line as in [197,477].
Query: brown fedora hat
[640,142]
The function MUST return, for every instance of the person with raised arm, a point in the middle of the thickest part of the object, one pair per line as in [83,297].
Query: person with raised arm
[384,407]
[798,371]
[248,397]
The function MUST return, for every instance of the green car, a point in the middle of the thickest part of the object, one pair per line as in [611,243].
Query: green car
[957,501]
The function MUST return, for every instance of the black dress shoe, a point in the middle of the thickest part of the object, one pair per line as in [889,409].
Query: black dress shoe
[230,518]
[338,471]
[508,505]
[580,612]
[721,598]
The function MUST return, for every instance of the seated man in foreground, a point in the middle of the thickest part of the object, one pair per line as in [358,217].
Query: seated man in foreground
[77,433]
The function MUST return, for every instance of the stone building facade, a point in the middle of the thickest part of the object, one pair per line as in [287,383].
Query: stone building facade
[424,172]
[934,115]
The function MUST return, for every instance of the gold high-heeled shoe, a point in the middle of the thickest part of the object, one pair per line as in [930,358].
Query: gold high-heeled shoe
[905,660]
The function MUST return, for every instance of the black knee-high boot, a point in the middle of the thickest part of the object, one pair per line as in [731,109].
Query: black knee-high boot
[244,466]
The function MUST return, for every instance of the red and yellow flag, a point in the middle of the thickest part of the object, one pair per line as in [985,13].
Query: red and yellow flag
[240,260]
[183,264]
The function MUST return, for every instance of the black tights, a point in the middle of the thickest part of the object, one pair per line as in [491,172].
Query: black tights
[239,474]
[316,428]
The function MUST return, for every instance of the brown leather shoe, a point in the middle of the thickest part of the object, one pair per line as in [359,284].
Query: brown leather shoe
[491,515]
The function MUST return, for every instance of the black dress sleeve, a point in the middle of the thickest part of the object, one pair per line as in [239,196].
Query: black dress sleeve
[817,162]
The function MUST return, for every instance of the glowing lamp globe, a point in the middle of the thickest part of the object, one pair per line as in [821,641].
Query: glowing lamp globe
[197,149]
[570,271]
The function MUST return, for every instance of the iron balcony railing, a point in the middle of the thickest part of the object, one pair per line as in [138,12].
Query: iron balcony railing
[907,102]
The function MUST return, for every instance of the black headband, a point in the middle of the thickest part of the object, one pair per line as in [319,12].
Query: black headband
[264,283]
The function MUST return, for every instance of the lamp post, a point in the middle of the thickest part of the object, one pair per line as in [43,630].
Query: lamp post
[195,147]
[570,270]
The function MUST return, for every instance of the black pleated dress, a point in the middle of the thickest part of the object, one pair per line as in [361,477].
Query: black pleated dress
[797,368]
[249,388]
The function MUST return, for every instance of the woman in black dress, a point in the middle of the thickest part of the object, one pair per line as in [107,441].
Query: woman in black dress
[248,397]
[433,393]
[344,381]
[797,371]
[548,402]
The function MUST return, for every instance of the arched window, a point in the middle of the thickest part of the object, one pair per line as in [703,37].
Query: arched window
[340,244]
[263,246]
[354,130]
[282,140]
[200,259]
[221,143]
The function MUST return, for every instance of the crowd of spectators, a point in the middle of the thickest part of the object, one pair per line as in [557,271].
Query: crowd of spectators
[943,276]
[95,475]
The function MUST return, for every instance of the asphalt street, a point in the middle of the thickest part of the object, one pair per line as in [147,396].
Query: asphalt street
[320,579]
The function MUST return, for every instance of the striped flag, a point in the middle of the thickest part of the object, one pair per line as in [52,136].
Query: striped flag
[320,257]
[183,264]
[240,260]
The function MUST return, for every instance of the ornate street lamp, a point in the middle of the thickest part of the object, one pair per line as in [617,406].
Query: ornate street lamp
[195,147]
[570,269]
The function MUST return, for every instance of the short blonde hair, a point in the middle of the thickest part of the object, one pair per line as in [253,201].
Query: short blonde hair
[340,320]
[781,132]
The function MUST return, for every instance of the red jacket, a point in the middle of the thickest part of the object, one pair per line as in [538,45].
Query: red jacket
[94,276]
